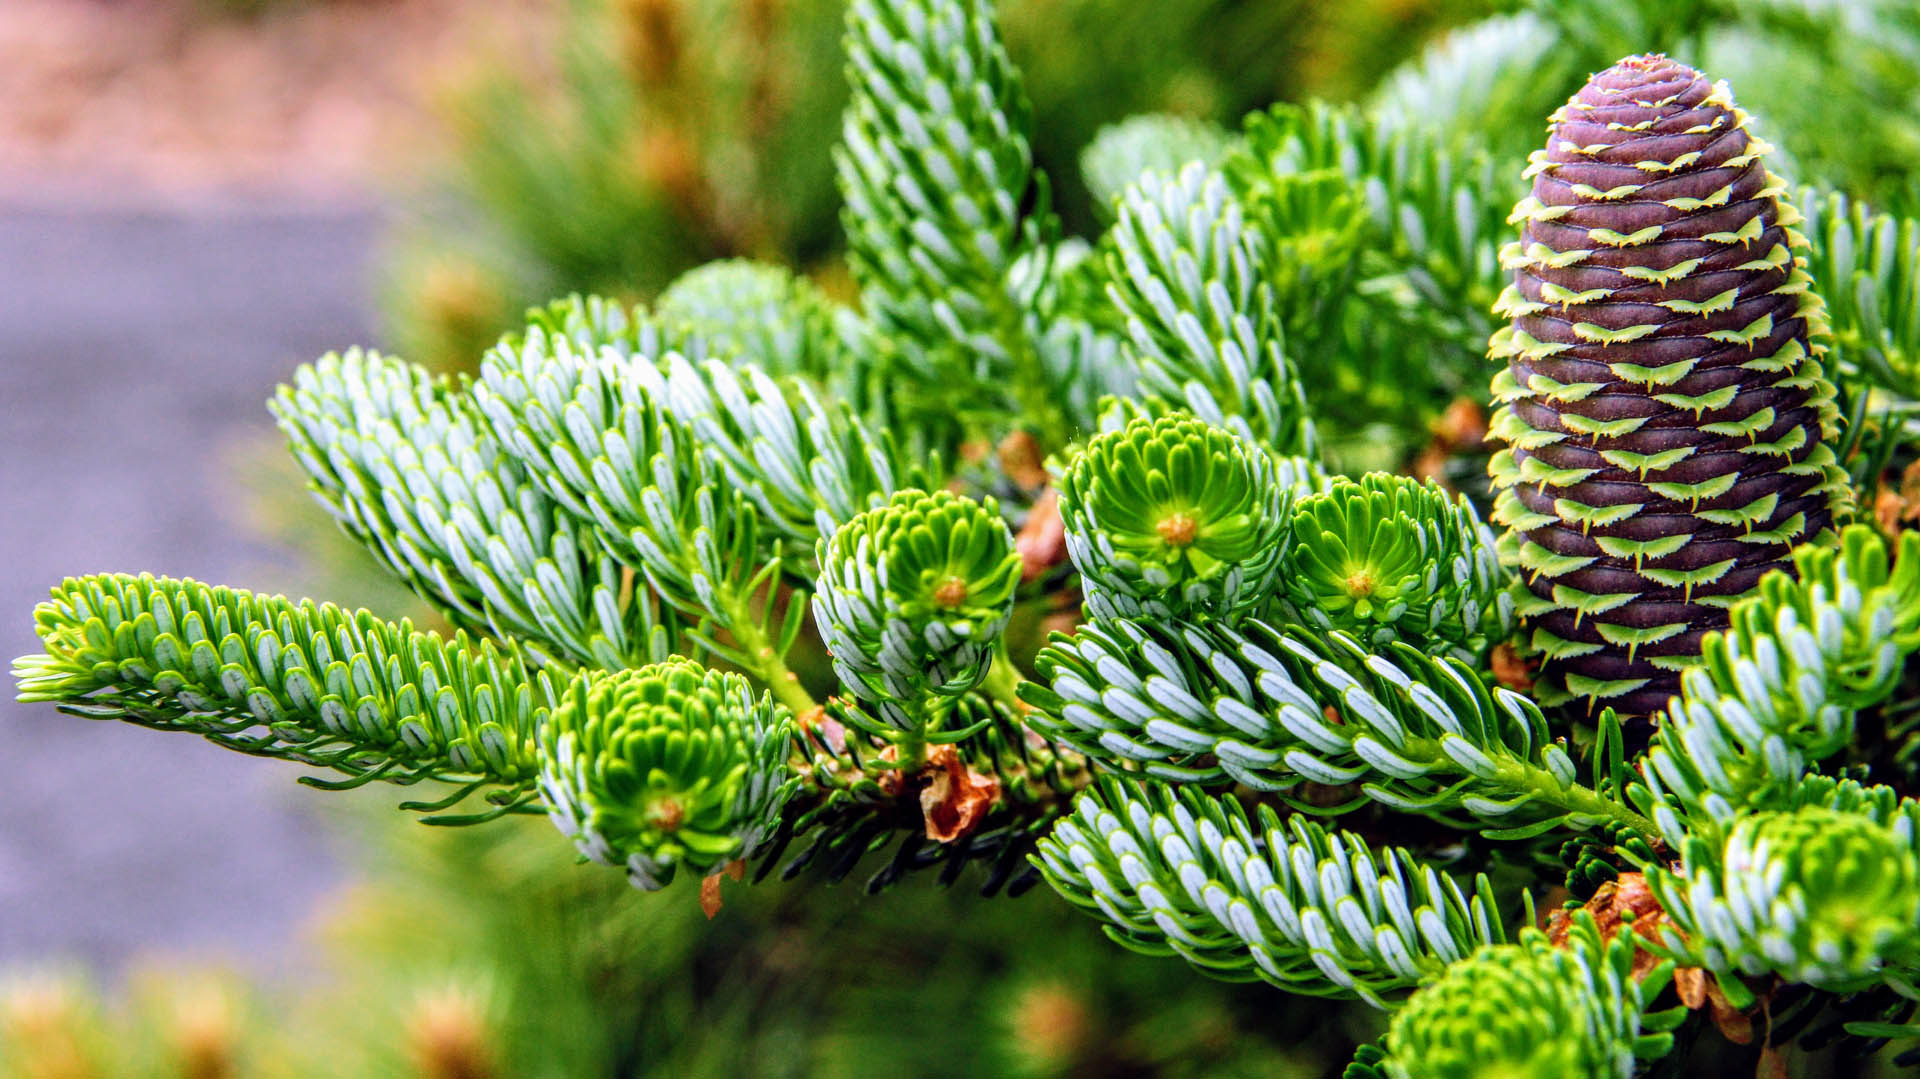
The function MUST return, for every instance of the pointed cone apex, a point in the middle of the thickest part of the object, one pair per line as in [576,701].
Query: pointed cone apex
[1665,412]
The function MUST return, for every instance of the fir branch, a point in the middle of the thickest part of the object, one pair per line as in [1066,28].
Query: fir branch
[591,427]
[1262,706]
[618,484]
[704,478]
[1867,267]
[1311,911]
[1426,267]
[807,466]
[1778,691]
[942,197]
[303,682]
[402,463]
[1813,879]
[1190,275]
[1490,68]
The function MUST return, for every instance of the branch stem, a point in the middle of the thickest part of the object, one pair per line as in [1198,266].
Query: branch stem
[1033,390]
[1523,778]
[764,661]
[1003,678]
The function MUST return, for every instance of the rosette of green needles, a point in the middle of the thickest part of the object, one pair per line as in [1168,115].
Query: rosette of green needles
[912,596]
[657,767]
[1532,1008]
[1389,558]
[1665,413]
[1827,898]
[1172,516]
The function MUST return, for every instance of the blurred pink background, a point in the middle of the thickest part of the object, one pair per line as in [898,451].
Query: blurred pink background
[190,200]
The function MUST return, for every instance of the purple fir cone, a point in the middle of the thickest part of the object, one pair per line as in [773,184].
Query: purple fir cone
[1667,421]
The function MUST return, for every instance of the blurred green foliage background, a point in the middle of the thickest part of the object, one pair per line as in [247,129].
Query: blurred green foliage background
[665,133]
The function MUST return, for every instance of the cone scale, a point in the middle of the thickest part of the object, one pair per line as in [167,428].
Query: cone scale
[1666,419]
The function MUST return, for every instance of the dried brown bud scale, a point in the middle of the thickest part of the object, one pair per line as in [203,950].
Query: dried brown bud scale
[1666,417]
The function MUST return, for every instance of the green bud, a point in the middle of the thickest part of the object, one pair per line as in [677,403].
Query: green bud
[1171,516]
[759,313]
[1121,153]
[1508,1011]
[912,596]
[1827,898]
[666,765]
[1389,558]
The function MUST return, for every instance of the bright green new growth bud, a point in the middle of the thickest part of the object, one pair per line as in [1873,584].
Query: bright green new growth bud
[666,765]
[912,596]
[1151,142]
[1173,515]
[1505,1012]
[1389,558]
[759,313]
[1827,898]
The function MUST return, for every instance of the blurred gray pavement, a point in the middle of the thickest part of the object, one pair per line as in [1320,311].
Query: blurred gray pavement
[137,351]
